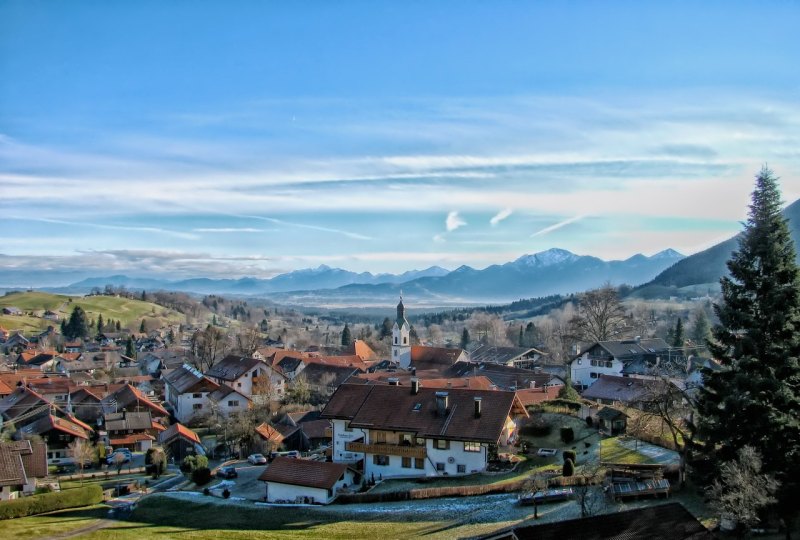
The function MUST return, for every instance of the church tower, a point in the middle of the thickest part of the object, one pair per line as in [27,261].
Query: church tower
[401,341]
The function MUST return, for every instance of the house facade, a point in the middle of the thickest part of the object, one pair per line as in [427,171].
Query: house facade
[242,374]
[612,357]
[186,392]
[303,481]
[395,431]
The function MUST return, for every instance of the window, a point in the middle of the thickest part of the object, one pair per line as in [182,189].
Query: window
[395,340]
[419,463]
[420,441]
[406,439]
[440,467]
[380,437]
[197,396]
[378,459]
[441,444]
[233,403]
[472,447]
[579,361]
[461,468]
[238,385]
[405,340]
[406,463]
[593,375]
[197,406]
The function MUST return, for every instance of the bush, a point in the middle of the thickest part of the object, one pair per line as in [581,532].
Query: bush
[188,464]
[537,427]
[568,393]
[567,434]
[226,493]
[201,462]
[569,468]
[569,454]
[48,502]
[202,476]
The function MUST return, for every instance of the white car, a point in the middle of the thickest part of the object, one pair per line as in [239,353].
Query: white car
[257,459]
[546,452]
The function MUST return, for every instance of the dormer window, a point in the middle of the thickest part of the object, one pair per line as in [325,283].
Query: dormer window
[405,340]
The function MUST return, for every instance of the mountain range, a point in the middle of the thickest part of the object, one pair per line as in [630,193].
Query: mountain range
[555,271]
[705,268]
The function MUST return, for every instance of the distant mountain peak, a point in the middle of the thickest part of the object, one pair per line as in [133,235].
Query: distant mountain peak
[548,257]
[668,253]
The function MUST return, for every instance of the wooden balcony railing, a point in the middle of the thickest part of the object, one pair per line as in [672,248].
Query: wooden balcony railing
[387,449]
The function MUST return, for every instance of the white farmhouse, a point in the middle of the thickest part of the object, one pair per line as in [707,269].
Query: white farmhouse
[187,393]
[304,481]
[396,431]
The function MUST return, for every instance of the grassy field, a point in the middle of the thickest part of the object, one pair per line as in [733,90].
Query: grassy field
[54,523]
[612,451]
[129,312]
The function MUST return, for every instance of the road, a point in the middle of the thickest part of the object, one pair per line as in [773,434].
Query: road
[247,484]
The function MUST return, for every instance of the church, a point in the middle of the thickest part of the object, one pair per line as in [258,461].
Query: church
[401,342]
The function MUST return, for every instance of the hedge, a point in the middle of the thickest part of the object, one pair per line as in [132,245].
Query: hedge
[48,502]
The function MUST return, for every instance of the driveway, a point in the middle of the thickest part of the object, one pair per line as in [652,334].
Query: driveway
[247,485]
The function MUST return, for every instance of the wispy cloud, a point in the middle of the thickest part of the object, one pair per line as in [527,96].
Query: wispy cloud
[557,226]
[231,230]
[454,221]
[500,216]
[132,228]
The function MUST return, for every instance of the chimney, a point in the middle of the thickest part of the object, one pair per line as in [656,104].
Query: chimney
[414,386]
[532,384]
[477,402]
[638,339]
[393,381]
[441,403]
[414,371]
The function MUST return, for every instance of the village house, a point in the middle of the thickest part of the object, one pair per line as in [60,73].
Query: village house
[304,481]
[135,431]
[242,374]
[521,357]
[612,358]
[393,431]
[58,434]
[21,464]
[187,392]
[128,398]
[180,442]
[628,391]
[225,401]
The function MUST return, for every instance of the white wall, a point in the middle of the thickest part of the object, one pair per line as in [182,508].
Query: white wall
[340,437]
[450,458]
[226,410]
[286,492]
[184,404]
[582,368]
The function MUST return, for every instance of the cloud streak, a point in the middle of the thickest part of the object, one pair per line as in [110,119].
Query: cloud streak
[454,221]
[555,227]
[500,216]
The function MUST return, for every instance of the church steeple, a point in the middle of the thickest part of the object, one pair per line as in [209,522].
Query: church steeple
[401,339]
[401,312]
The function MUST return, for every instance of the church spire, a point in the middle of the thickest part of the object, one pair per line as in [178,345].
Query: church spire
[401,312]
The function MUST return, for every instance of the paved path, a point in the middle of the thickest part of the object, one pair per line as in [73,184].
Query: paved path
[100,524]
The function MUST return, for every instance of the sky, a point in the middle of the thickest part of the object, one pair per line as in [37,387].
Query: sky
[230,139]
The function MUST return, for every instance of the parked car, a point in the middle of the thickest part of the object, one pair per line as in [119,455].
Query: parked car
[227,472]
[257,459]
[290,454]
[112,458]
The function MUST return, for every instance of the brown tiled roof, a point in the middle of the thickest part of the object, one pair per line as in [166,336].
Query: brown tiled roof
[12,469]
[128,396]
[351,361]
[396,408]
[303,472]
[423,357]
[124,421]
[35,462]
[178,430]
[362,350]
[4,389]
[273,433]
[21,401]
[531,396]
[224,391]
[316,429]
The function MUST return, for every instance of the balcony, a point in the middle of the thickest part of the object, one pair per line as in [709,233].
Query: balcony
[387,449]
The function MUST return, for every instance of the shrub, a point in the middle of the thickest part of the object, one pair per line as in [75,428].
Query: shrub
[567,434]
[48,502]
[201,476]
[226,493]
[569,468]
[569,454]
[537,427]
[201,462]
[188,464]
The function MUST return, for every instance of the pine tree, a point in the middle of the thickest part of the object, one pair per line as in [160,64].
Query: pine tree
[78,325]
[521,336]
[701,331]
[347,339]
[464,338]
[755,400]
[677,340]
[130,351]
[118,325]
[100,323]
[143,327]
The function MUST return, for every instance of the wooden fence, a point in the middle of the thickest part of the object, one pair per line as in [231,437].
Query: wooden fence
[429,493]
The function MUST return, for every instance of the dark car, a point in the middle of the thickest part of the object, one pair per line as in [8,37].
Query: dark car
[227,472]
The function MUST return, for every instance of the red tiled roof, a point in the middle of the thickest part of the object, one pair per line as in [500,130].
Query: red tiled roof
[269,433]
[178,430]
[302,472]
[531,396]
[133,438]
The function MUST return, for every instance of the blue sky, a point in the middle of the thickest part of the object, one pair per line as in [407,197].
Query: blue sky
[252,138]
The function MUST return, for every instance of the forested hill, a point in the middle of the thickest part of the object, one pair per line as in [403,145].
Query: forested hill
[710,265]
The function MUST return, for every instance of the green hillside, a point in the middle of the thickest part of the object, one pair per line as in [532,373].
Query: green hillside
[129,312]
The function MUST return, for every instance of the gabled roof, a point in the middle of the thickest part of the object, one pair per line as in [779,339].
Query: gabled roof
[275,433]
[123,421]
[507,377]
[50,423]
[630,348]
[396,408]
[423,357]
[187,379]
[128,397]
[289,363]
[224,391]
[21,461]
[532,396]
[232,367]
[132,438]
[663,522]
[303,472]
[624,389]
[501,355]
[319,375]
[178,430]
[610,414]
[22,401]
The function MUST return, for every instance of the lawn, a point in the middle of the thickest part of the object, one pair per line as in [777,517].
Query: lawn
[27,325]
[619,450]
[63,521]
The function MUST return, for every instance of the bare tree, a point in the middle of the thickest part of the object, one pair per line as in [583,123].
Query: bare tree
[487,328]
[247,341]
[119,461]
[600,316]
[588,496]
[82,452]
[209,346]
[742,490]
